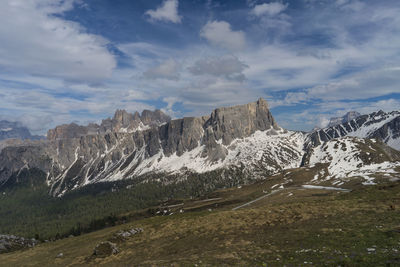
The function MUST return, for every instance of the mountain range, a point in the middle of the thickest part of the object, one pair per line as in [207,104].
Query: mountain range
[242,141]
[345,118]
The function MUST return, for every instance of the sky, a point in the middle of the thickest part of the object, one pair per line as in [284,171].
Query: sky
[65,61]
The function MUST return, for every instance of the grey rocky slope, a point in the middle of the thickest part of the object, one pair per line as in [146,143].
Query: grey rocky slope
[381,125]
[199,144]
[244,137]
[121,122]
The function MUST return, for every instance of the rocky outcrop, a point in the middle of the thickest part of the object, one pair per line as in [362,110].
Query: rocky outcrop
[67,131]
[240,121]
[9,243]
[122,121]
[128,233]
[72,157]
[244,137]
[105,249]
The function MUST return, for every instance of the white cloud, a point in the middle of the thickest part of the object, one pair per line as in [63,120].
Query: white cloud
[279,67]
[220,33]
[270,9]
[168,69]
[350,5]
[323,122]
[36,122]
[345,59]
[206,93]
[295,98]
[35,41]
[168,11]
[362,85]
[39,110]
[227,66]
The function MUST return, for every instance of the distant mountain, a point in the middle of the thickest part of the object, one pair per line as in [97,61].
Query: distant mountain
[347,117]
[240,141]
[14,130]
[380,125]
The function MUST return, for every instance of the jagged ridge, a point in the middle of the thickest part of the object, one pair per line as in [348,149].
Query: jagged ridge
[244,137]
[381,125]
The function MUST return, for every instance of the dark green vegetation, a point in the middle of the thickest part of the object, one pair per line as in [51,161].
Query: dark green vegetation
[293,227]
[27,210]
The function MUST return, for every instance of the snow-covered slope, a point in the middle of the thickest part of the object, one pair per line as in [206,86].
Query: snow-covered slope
[349,157]
[264,152]
[244,139]
[381,125]
[280,149]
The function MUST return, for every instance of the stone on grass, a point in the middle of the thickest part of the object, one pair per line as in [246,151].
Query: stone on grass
[105,249]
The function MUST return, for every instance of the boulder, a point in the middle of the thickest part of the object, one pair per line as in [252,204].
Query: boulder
[105,249]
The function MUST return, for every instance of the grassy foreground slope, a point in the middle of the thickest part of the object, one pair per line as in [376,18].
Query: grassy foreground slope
[294,227]
[27,210]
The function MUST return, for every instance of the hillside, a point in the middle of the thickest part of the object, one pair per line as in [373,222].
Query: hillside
[298,226]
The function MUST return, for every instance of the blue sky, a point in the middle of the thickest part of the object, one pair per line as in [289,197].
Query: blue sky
[79,60]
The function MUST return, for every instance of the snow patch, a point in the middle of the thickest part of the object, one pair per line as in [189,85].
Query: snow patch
[325,188]
[6,129]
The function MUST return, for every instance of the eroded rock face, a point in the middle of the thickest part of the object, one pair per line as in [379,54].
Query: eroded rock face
[122,121]
[72,157]
[240,121]
[64,131]
[381,125]
[244,136]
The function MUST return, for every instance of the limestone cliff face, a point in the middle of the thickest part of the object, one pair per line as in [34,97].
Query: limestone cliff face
[72,130]
[73,157]
[240,121]
[122,121]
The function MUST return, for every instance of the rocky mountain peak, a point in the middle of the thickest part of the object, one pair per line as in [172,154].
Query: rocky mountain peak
[244,135]
[123,117]
[261,102]
[241,121]
[149,117]
[122,121]
[351,115]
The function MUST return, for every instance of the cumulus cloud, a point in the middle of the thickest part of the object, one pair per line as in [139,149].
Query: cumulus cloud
[227,66]
[168,69]
[220,33]
[36,41]
[343,61]
[168,11]
[270,9]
